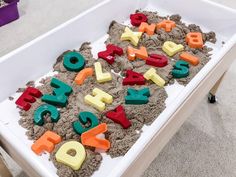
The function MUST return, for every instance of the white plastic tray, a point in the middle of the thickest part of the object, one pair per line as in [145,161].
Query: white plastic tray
[36,58]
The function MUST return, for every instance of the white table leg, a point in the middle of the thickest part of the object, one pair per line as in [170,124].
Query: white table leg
[4,172]
[212,92]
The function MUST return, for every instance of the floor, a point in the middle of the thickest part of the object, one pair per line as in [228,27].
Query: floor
[205,146]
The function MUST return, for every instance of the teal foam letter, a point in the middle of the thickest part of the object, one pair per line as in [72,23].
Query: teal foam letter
[181,69]
[60,93]
[42,110]
[137,96]
[84,118]
[73,61]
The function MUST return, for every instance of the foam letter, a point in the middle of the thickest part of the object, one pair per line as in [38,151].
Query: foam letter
[118,116]
[89,138]
[137,96]
[133,78]
[97,101]
[149,29]
[75,161]
[194,40]
[137,19]
[42,110]
[59,95]
[27,97]
[73,61]
[46,142]
[189,58]
[172,48]
[82,75]
[109,54]
[152,75]
[100,76]
[157,60]
[84,118]
[137,53]
[168,25]
[131,36]
[181,69]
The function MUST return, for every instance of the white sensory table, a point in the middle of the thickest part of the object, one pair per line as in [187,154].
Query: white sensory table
[35,59]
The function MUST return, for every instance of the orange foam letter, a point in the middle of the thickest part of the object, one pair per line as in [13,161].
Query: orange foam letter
[189,58]
[139,53]
[149,29]
[168,25]
[89,137]
[46,142]
[194,40]
[82,75]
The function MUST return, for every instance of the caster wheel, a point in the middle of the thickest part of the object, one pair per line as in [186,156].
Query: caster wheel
[211,98]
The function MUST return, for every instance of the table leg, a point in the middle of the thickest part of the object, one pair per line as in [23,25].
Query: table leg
[4,172]
[212,93]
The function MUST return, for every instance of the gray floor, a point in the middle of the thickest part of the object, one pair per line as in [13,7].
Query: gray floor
[205,146]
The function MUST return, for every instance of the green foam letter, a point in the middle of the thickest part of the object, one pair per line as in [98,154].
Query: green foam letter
[137,96]
[60,93]
[42,110]
[84,118]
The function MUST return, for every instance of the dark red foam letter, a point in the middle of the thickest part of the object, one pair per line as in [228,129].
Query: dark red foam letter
[118,116]
[157,60]
[133,78]
[27,97]
[137,19]
[109,54]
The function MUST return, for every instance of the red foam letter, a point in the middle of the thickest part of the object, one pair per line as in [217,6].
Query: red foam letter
[133,78]
[27,97]
[137,19]
[157,60]
[118,116]
[109,54]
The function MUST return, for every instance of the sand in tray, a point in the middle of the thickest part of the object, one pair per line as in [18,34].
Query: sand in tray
[139,115]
